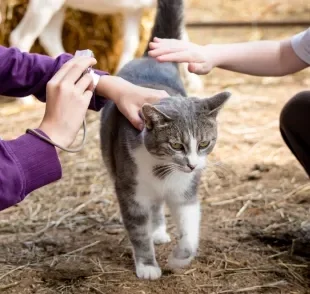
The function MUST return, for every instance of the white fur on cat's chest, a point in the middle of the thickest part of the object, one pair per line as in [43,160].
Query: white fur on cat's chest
[150,187]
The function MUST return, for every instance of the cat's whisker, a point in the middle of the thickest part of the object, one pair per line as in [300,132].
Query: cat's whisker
[165,170]
[167,179]
[170,171]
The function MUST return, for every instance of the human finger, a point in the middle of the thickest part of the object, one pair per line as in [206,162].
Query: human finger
[199,68]
[65,68]
[181,56]
[165,40]
[77,69]
[84,83]
[135,119]
[157,96]
[88,94]
[164,51]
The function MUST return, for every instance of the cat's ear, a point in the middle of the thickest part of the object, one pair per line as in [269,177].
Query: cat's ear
[153,116]
[216,102]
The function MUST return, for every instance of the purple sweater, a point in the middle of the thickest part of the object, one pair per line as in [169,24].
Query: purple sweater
[28,163]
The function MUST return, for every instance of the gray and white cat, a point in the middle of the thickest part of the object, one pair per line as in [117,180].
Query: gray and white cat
[162,163]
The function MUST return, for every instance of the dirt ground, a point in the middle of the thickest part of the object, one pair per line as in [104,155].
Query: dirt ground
[255,231]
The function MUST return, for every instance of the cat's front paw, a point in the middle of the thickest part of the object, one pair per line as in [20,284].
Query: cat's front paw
[161,237]
[180,258]
[177,263]
[148,272]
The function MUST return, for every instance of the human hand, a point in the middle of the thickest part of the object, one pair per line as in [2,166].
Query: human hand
[131,102]
[128,97]
[199,58]
[67,100]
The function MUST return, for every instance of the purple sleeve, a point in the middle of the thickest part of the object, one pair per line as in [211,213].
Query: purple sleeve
[23,74]
[26,164]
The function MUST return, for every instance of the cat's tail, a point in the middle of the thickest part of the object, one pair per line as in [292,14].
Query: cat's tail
[169,20]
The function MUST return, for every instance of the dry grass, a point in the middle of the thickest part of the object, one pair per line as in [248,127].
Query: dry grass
[66,238]
[248,10]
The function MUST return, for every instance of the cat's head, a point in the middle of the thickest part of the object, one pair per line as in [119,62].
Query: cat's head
[182,131]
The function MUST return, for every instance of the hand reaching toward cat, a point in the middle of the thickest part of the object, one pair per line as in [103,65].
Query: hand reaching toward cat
[128,97]
[199,58]
[130,103]
[257,58]
[67,98]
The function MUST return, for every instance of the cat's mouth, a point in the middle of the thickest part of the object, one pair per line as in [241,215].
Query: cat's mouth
[188,169]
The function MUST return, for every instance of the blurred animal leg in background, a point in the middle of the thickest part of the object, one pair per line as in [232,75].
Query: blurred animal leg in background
[51,37]
[131,36]
[37,16]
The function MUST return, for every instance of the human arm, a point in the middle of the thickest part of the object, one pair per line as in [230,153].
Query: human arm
[128,97]
[22,74]
[260,58]
[28,163]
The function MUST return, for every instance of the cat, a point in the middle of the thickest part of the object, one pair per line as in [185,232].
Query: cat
[163,163]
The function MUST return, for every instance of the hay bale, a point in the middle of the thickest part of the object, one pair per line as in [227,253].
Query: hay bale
[82,30]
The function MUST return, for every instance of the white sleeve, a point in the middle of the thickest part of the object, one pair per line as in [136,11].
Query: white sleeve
[301,45]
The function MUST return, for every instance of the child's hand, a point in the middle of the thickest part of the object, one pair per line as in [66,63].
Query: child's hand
[132,99]
[171,50]
[128,97]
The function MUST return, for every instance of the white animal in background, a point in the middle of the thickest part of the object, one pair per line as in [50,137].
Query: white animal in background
[44,19]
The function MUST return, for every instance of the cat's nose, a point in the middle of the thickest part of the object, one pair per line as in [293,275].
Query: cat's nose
[192,166]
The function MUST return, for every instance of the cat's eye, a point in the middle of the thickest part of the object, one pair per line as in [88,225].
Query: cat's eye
[177,146]
[204,144]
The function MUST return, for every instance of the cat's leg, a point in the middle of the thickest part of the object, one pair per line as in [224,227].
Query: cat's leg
[51,37]
[131,37]
[138,223]
[160,235]
[187,218]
